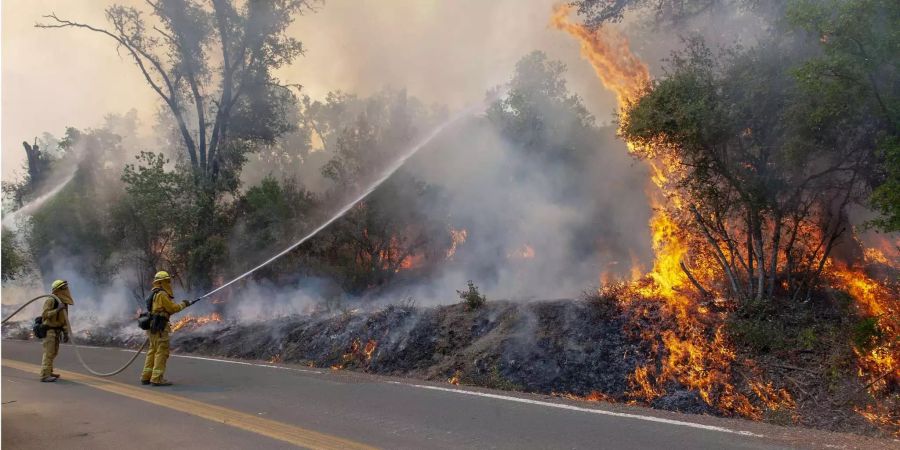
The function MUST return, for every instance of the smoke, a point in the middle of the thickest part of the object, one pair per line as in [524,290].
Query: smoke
[95,305]
[530,233]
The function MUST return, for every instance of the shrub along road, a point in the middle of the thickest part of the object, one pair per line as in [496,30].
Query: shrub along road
[241,404]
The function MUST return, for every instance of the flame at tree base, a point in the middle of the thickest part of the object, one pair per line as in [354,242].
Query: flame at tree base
[686,343]
[191,321]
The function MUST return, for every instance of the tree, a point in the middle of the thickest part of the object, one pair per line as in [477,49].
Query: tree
[270,215]
[598,12]
[212,64]
[76,213]
[763,181]
[540,115]
[14,261]
[886,197]
[38,165]
[215,105]
[144,221]
[855,80]
[390,230]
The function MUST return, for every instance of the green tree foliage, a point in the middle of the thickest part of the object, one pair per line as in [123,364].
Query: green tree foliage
[540,115]
[14,261]
[471,296]
[886,198]
[854,78]
[212,64]
[739,127]
[75,215]
[598,12]
[145,220]
[390,230]
[270,216]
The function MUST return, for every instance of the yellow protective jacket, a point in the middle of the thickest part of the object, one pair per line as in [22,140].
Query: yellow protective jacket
[53,318]
[163,304]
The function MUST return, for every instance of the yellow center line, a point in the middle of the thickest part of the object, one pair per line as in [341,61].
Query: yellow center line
[270,428]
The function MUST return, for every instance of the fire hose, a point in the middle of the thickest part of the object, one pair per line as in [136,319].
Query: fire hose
[72,337]
[385,175]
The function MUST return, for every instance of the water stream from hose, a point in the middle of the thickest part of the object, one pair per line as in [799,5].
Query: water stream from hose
[9,220]
[390,170]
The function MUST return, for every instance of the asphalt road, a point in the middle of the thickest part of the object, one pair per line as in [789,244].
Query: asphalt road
[225,404]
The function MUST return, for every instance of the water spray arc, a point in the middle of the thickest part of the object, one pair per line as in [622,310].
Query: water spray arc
[390,170]
[10,219]
[387,173]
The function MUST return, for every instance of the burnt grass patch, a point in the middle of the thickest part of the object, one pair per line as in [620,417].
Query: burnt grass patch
[585,348]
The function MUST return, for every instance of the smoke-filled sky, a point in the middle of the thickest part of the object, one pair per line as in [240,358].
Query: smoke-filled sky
[443,52]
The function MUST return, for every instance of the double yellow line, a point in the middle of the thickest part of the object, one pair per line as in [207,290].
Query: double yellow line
[265,427]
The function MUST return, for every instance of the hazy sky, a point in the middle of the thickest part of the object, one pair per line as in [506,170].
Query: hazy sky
[449,52]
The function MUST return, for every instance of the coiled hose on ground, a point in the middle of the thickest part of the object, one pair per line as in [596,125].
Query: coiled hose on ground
[72,338]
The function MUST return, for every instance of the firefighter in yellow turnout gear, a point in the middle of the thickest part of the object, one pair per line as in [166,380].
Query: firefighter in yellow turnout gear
[155,364]
[55,316]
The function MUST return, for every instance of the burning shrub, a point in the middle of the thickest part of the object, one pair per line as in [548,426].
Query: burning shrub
[471,297]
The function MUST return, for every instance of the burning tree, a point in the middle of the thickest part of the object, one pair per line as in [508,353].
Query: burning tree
[757,164]
[390,231]
[734,149]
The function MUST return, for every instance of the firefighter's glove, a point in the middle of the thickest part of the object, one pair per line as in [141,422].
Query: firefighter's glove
[186,303]
[65,337]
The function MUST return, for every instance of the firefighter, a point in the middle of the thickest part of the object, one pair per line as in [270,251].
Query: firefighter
[162,307]
[55,316]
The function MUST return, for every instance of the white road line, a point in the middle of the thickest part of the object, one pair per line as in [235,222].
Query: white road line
[493,396]
[244,363]
[580,409]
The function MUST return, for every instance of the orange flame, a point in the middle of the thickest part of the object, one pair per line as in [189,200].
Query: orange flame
[195,321]
[697,352]
[879,366]
[457,238]
[606,50]
[524,252]
[357,353]
[411,262]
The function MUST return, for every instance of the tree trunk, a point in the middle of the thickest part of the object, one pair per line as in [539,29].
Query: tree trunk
[34,162]
[694,281]
[750,252]
[760,260]
[723,262]
[773,266]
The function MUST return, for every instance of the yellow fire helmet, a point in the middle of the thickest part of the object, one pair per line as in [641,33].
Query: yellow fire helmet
[60,288]
[59,285]
[161,275]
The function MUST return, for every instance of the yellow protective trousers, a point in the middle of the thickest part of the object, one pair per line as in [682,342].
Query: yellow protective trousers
[51,349]
[155,364]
